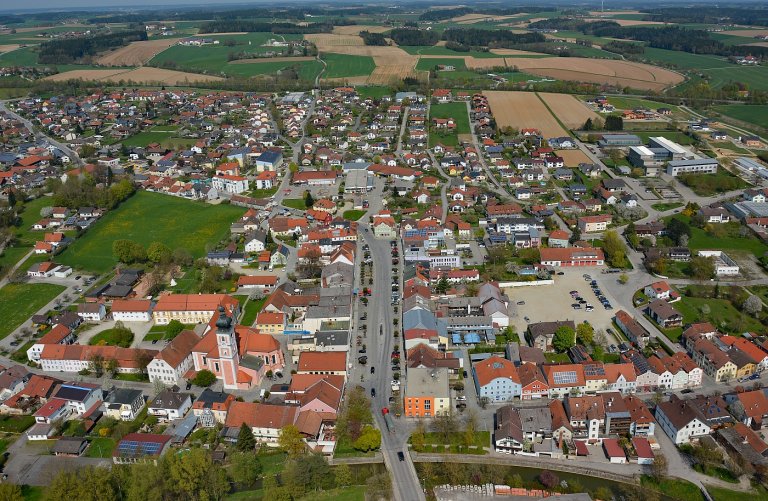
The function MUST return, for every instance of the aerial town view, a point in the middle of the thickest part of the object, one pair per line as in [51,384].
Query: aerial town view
[354,251]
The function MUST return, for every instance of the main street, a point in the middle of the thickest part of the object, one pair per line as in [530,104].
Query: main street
[73,156]
[380,342]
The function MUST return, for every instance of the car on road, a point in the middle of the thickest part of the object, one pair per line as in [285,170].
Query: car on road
[520,303]
[465,374]
[373,369]
[78,277]
[461,398]
[373,392]
[362,360]
[561,273]
[401,456]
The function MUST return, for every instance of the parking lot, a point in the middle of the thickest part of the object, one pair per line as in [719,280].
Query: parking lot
[548,303]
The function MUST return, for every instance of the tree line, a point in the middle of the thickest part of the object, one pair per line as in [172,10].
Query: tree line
[375,39]
[709,15]
[86,192]
[408,36]
[474,37]
[70,50]
[230,25]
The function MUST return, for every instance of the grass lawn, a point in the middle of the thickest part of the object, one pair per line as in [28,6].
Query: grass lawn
[727,145]
[252,309]
[665,206]
[673,488]
[342,65]
[29,216]
[482,439]
[18,302]
[457,111]
[706,185]
[32,492]
[700,239]
[557,357]
[295,203]
[109,338]
[672,135]
[265,193]
[351,493]
[307,70]
[630,103]
[686,60]
[10,257]
[151,217]
[373,92]
[15,424]
[722,314]
[427,64]
[101,447]
[163,134]
[20,355]
[754,114]
[271,462]
[722,494]
[353,214]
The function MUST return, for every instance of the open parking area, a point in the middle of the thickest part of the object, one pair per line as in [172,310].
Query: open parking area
[546,303]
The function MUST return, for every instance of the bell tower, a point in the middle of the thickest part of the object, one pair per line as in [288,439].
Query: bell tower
[226,340]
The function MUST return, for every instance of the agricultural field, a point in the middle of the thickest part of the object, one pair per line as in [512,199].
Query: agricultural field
[572,112]
[754,114]
[214,58]
[146,75]
[755,77]
[602,71]
[427,64]
[673,135]
[307,68]
[523,110]
[136,53]
[163,134]
[340,66]
[438,50]
[18,302]
[457,111]
[151,217]
[685,60]
[631,103]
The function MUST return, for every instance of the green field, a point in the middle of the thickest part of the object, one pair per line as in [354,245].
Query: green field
[307,70]
[374,92]
[754,114]
[151,217]
[294,203]
[342,66]
[109,338]
[214,58]
[15,424]
[631,103]
[428,64]
[457,111]
[436,50]
[700,239]
[672,135]
[353,214]
[162,134]
[755,77]
[100,447]
[18,302]
[686,60]
[721,313]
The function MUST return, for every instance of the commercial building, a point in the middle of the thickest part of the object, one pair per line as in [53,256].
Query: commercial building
[427,393]
[696,166]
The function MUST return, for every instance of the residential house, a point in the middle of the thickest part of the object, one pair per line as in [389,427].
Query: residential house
[497,379]
[427,393]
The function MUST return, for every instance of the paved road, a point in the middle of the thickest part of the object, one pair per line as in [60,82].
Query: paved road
[73,156]
[380,322]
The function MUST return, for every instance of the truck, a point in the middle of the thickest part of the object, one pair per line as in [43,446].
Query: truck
[388,419]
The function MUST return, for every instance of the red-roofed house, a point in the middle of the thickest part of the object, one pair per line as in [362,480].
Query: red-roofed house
[497,379]
[613,451]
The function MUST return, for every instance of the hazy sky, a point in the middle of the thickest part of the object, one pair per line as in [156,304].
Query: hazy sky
[8,5]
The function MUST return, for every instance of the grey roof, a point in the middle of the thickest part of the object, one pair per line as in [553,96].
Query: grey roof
[123,396]
[332,338]
[419,319]
[68,445]
[168,399]
[536,419]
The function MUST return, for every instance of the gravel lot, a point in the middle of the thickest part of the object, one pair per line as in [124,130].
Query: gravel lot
[553,302]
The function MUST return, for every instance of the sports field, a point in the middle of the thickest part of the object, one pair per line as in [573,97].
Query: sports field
[18,302]
[151,217]
[754,114]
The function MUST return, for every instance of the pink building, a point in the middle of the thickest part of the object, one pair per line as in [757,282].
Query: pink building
[240,356]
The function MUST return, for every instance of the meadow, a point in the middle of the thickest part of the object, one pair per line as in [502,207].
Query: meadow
[342,65]
[214,58]
[685,60]
[754,114]
[151,217]
[437,50]
[18,302]
[163,134]
[427,64]
[755,77]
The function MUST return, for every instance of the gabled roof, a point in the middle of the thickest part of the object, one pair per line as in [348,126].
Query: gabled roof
[493,368]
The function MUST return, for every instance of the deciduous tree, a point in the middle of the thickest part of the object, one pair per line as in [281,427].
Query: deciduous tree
[564,338]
